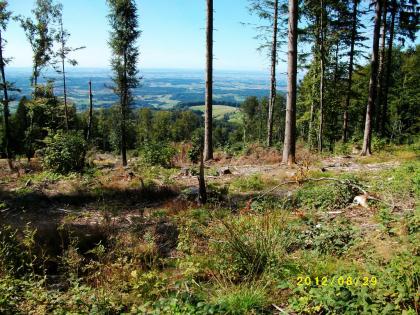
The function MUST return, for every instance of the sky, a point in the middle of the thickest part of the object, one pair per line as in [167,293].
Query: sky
[173,34]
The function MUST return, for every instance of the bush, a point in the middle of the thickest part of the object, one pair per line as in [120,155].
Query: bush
[325,197]
[395,291]
[155,153]
[250,245]
[64,152]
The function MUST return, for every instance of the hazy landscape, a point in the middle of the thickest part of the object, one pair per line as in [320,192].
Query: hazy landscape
[162,88]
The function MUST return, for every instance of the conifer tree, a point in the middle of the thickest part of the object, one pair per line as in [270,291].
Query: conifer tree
[123,37]
[4,19]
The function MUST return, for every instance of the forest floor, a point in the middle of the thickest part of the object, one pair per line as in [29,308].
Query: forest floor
[137,240]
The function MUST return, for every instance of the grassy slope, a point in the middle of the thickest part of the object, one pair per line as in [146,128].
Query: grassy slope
[218,110]
[224,261]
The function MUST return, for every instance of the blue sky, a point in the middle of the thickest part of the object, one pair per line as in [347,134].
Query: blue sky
[173,34]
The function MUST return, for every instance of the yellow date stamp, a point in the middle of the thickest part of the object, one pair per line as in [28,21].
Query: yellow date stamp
[340,281]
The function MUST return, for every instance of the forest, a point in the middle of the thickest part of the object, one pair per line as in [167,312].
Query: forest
[304,201]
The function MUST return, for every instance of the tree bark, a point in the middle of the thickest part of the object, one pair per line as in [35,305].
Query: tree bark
[384,120]
[273,87]
[6,113]
[321,83]
[89,129]
[208,120]
[367,137]
[381,69]
[289,149]
[350,78]
[202,192]
[123,114]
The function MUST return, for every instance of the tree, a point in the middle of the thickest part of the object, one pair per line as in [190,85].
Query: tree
[273,75]
[90,117]
[269,10]
[40,34]
[367,137]
[123,37]
[4,19]
[61,56]
[289,148]
[208,120]
[353,37]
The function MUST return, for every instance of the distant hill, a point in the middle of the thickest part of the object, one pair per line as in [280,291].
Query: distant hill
[219,111]
[159,88]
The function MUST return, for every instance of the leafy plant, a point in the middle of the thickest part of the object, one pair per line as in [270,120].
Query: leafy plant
[160,154]
[64,152]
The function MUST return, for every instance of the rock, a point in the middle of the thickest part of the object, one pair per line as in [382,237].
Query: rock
[224,171]
[185,171]
[361,201]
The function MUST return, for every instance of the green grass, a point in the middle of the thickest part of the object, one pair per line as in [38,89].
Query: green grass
[219,111]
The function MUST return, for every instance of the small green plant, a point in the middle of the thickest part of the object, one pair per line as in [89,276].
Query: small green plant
[249,183]
[327,196]
[64,152]
[242,299]
[161,154]
[252,244]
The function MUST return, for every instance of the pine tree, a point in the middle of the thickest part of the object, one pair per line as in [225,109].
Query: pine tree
[289,148]
[61,58]
[123,37]
[4,19]
[366,149]
[208,120]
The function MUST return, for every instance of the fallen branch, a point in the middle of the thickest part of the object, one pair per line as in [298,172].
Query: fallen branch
[279,309]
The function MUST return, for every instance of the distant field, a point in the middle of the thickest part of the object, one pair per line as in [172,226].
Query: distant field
[219,111]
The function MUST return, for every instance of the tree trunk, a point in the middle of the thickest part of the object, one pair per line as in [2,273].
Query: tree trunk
[7,139]
[381,69]
[123,114]
[384,120]
[273,91]
[367,137]
[202,192]
[350,79]
[289,149]
[321,82]
[89,129]
[208,122]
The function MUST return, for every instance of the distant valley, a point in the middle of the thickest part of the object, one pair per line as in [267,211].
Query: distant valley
[159,88]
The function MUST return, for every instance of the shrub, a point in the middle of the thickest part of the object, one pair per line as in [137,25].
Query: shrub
[242,299]
[250,245]
[161,154]
[334,237]
[395,291]
[325,197]
[64,152]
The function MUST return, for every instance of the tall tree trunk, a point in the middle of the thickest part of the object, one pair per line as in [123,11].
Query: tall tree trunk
[273,87]
[289,149]
[123,114]
[7,139]
[66,115]
[350,78]
[208,123]
[202,192]
[89,129]
[367,137]
[388,68]
[321,82]
[381,69]
[311,117]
